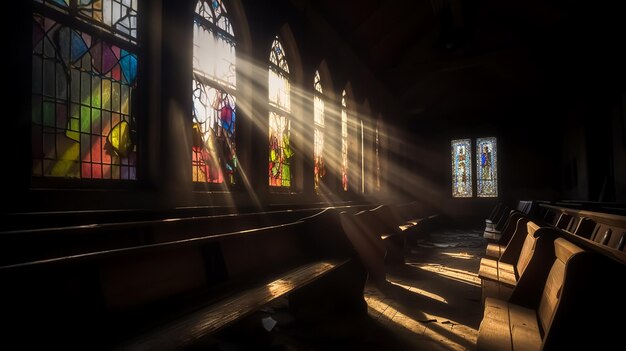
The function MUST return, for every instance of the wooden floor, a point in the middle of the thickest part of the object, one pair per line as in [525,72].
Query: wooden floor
[430,303]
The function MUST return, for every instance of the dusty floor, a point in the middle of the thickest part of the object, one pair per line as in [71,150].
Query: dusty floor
[430,303]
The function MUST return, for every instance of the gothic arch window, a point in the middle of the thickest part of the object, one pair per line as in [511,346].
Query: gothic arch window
[318,144]
[214,88]
[84,79]
[344,141]
[279,89]
[377,155]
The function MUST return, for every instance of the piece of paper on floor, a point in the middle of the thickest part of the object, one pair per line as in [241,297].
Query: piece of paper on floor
[268,323]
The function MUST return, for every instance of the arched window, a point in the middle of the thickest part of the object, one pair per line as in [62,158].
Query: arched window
[462,168]
[84,78]
[318,146]
[214,88]
[377,156]
[486,169]
[344,142]
[279,88]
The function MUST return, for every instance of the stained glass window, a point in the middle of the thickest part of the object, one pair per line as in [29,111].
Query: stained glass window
[319,169]
[362,158]
[279,88]
[344,142]
[462,168]
[487,167]
[214,157]
[377,159]
[83,87]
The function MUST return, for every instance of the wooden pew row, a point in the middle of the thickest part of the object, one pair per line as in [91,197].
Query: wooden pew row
[603,228]
[563,299]
[499,277]
[170,295]
[504,264]
[495,225]
[67,218]
[391,228]
[558,306]
[500,219]
[24,245]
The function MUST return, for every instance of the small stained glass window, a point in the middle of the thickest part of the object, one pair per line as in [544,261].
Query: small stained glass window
[319,169]
[486,168]
[377,157]
[462,168]
[279,89]
[344,142]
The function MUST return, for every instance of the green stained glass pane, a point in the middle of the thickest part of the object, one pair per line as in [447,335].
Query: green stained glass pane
[115,97]
[85,88]
[49,114]
[125,99]
[85,119]
[286,175]
[96,98]
[106,94]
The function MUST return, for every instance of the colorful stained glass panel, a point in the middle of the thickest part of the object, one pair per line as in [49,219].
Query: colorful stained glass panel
[462,168]
[214,116]
[319,169]
[487,167]
[344,142]
[81,125]
[279,89]
[118,17]
[214,157]
[280,151]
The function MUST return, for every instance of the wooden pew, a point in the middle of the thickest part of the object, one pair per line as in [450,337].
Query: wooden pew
[382,221]
[494,227]
[415,220]
[495,249]
[567,304]
[31,244]
[171,294]
[500,276]
[604,228]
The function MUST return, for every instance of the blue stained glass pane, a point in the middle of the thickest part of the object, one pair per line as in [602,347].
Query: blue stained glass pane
[74,48]
[486,169]
[79,48]
[63,3]
[128,62]
[462,168]
[86,2]
[216,4]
